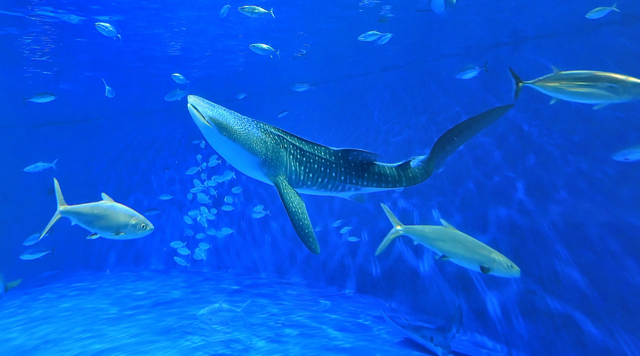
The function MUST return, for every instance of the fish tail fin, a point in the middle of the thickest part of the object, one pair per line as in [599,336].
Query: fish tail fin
[278,53]
[11,285]
[451,328]
[518,81]
[485,67]
[54,164]
[120,38]
[615,7]
[57,215]
[451,140]
[393,233]
[274,16]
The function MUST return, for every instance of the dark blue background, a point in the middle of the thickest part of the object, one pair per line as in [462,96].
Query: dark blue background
[539,185]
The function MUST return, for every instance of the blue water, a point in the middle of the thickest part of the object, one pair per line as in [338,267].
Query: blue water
[539,185]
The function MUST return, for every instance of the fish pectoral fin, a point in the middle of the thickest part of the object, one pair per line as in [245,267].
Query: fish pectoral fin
[485,269]
[297,211]
[599,106]
[107,198]
[93,236]
[443,257]
[553,101]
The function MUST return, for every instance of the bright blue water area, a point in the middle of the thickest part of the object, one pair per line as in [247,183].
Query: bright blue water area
[539,185]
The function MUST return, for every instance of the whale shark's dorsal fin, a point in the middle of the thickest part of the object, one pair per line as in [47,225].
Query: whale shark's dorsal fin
[107,198]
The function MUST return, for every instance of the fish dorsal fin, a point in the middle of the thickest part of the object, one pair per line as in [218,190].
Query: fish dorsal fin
[555,70]
[107,198]
[447,225]
[357,154]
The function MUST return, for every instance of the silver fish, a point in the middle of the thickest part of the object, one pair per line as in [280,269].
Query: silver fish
[450,244]
[35,254]
[228,200]
[40,98]
[108,91]
[384,38]
[175,95]
[179,78]
[630,154]
[263,49]
[107,30]
[255,11]
[369,36]
[226,208]
[177,244]
[192,170]
[601,12]
[40,166]
[224,11]
[105,218]
[165,197]
[469,72]
[584,86]
[32,239]
[283,113]
[183,251]
[180,261]
[236,190]
[302,87]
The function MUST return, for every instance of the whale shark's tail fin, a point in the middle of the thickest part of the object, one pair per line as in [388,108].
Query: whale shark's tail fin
[455,137]
[57,215]
[395,231]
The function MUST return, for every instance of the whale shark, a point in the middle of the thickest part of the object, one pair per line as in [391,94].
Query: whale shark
[294,165]
[437,340]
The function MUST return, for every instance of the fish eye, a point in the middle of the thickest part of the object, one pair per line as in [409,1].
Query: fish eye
[143,226]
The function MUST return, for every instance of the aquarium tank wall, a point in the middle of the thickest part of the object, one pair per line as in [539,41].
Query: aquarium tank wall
[325,178]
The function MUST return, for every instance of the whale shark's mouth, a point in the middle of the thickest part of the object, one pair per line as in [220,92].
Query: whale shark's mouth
[195,113]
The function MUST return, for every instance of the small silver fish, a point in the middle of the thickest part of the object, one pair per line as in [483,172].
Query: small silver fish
[152,212]
[107,30]
[225,231]
[35,254]
[108,91]
[258,208]
[188,232]
[345,229]
[192,170]
[40,166]
[179,78]
[263,49]
[299,87]
[241,96]
[601,12]
[32,239]
[224,11]
[204,245]
[165,197]
[177,244]
[226,208]
[39,98]
[201,235]
[337,223]
[352,239]
[187,219]
[471,71]
[260,214]
[255,11]
[202,198]
[176,95]
[283,113]
[236,190]
[630,154]
[369,36]
[228,200]
[183,251]
[384,38]
[200,254]
[180,261]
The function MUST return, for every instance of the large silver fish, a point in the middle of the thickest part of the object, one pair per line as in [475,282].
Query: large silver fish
[295,165]
[584,86]
[453,245]
[105,218]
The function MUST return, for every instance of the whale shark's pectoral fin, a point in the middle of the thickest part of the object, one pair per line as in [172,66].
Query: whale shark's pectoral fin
[297,211]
